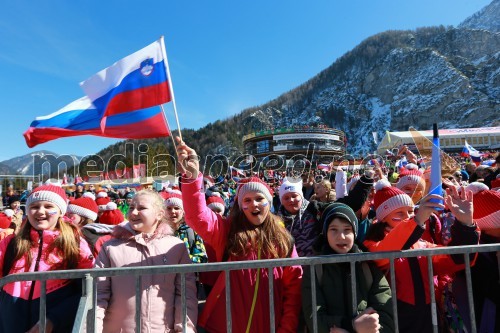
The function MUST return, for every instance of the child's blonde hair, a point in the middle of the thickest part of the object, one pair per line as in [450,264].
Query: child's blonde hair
[157,203]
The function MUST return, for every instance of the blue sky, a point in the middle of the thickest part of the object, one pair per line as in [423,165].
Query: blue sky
[224,56]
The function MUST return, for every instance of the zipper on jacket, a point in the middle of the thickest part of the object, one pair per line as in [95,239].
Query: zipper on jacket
[37,265]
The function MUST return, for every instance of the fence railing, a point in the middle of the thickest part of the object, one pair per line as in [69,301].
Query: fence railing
[87,306]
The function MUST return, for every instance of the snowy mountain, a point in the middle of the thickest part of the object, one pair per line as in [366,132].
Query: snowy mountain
[487,18]
[390,81]
[6,170]
[36,162]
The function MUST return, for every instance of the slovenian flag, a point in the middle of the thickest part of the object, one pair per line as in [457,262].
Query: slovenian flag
[469,151]
[135,82]
[82,118]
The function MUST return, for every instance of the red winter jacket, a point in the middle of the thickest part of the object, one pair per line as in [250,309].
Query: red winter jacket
[287,280]
[407,235]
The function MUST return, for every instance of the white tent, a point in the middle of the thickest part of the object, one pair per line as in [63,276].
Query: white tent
[450,139]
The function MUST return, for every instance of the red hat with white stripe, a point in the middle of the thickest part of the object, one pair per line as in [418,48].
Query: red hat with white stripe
[173,198]
[410,175]
[486,206]
[89,195]
[85,207]
[101,194]
[5,221]
[111,215]
[102,201]
[215,202]
[388,198]
[253,184]
[51,193]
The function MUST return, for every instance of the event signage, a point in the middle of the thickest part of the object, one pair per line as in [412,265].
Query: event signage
[302,136]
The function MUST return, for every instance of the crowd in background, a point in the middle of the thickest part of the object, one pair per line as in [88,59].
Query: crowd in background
[278,214]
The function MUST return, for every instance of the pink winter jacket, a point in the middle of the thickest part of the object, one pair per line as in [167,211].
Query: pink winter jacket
[214,230]
[48,262]
[20,301]
[161,307]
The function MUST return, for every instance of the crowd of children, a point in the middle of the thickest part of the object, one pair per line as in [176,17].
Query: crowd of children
[202,220]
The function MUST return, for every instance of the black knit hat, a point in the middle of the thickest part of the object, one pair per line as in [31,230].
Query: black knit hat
[339,210]
[14,198]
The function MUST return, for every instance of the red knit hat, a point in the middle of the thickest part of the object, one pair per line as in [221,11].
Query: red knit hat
[495,184]
[253,184]
[216,202]
[102,202]
[388,198]
[486,206]
[85,207]
[111,215]
[89,195]
[52,193]
[101,194]
[173,198]
[5,221]
[410,175]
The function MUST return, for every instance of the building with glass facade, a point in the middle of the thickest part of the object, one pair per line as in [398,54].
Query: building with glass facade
[318,143]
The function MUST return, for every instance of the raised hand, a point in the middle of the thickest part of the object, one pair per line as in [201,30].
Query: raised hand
[460,204]
[450,182]
[427,207]
[188,161]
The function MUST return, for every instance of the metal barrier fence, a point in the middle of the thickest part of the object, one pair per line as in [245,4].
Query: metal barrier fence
[87,304]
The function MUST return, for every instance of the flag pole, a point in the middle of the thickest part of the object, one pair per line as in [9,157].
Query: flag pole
[165,116]
[171,88]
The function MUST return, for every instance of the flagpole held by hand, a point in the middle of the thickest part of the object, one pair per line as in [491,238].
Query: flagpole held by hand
[168,125]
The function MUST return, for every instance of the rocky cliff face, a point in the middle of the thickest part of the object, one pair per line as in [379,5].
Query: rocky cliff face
[399,79]
[390,81]
[486,19]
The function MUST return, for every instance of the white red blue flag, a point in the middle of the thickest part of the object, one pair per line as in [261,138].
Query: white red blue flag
[469,151]
[135,82]
[82,118]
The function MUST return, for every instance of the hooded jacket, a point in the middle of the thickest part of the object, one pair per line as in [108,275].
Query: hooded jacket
[334,295]
[161,302]
[214,230]
[20,301]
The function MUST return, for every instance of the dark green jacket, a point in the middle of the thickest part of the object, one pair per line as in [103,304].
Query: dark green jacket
[334,301]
